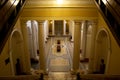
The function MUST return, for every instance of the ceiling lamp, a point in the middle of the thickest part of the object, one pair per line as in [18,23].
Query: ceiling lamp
[59,1]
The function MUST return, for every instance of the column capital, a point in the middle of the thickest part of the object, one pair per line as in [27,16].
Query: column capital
[77,21]
[83,21]
[92,22]
[41,21]
[23,22]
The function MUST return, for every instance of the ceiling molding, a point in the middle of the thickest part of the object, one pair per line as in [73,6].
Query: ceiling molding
[58,18]
[53,3]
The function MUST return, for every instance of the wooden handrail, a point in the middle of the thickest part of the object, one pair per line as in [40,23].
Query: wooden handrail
[115,5]
[2,3]
[5,13]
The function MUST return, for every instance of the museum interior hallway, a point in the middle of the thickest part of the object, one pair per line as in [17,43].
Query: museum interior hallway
[59,39]
[59,63]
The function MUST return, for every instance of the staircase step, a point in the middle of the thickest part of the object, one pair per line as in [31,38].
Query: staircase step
[60,76]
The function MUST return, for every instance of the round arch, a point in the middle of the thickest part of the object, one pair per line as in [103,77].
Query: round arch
[102,49]
[16,52]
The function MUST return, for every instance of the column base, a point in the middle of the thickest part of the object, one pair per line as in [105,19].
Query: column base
[74,72]
[34,60]
[64,34]
[46,41]
[72,41]
[43,72]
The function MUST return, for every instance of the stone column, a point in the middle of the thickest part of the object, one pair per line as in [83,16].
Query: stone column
[64,28]
[26,54]
[44,31]
[73,26]
[77,40]
[92,51]
[41,46]
[84,37]
[34,47]
[47,29]
[53,28]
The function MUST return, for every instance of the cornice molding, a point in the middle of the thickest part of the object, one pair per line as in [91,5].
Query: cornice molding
[58,18]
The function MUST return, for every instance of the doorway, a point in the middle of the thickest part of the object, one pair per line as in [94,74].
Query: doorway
[59,27]
[16,53]
[102,49]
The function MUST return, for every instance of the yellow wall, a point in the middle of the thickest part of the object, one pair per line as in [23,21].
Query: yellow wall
[59,13]
[5,70]
[114,64]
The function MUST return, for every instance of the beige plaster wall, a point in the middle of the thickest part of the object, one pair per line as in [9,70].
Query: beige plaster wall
[114,64]
[5,69]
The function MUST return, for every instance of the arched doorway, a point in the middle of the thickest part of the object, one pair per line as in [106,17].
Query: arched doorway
[102,50]
[16,53]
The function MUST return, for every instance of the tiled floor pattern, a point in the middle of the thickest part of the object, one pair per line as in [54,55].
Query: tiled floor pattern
[60,76]
[59,61]
[63,50]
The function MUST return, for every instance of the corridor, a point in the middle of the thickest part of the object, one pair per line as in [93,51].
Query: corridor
[59,61]
[59,38]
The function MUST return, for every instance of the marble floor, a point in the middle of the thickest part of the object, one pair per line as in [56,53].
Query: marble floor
[59,61]
[59,64]
[60,76]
